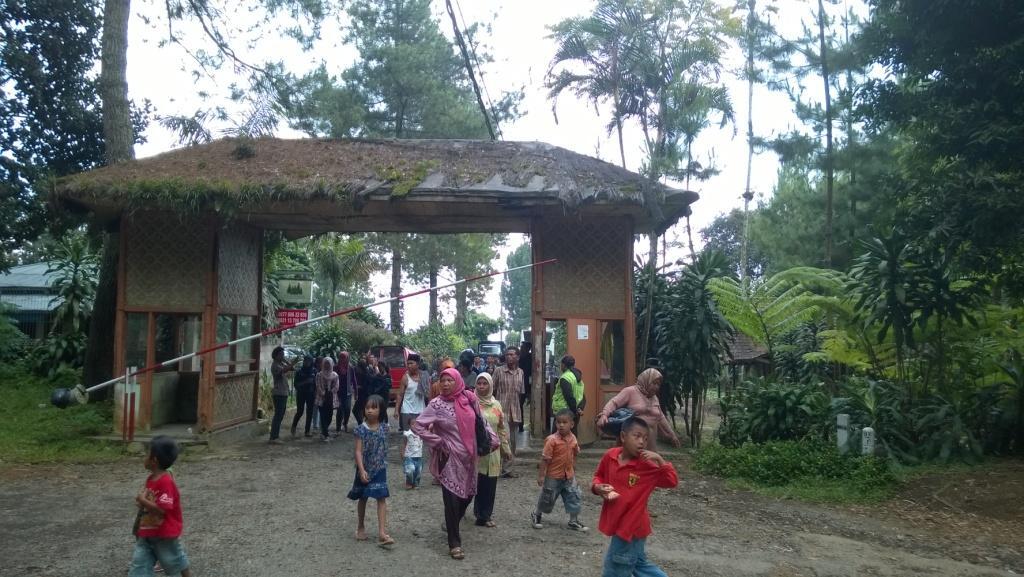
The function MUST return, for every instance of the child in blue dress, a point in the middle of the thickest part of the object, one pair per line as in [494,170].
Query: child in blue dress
[371,480]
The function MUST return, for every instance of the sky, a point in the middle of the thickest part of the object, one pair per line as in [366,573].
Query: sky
[522,52]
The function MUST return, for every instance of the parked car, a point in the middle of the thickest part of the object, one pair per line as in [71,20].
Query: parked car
[487,348]
[395,357]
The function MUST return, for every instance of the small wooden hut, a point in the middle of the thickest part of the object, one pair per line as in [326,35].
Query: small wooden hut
[191,225]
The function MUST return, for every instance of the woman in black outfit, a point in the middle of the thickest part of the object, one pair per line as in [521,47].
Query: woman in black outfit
[305,394]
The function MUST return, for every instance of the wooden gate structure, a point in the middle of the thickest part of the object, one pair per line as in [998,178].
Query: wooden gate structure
[190,225]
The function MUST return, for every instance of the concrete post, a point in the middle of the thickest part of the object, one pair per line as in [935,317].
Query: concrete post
[867,441]
[843,433]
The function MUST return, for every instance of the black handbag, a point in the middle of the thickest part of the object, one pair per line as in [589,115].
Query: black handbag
[483,440]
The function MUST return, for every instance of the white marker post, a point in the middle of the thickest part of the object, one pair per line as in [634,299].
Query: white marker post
[867,441]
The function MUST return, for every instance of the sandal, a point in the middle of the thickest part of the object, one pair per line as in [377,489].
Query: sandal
[457,553]
[385,542]
[490,523]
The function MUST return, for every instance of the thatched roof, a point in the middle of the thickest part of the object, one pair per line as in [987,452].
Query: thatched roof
[309,184]
[744,350]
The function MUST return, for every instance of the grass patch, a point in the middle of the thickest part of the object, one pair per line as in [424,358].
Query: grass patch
[805,470]
[34,431]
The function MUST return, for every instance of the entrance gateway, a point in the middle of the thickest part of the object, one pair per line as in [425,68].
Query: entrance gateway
[190,226]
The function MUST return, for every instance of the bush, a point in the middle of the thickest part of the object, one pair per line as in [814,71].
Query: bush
[435,341]
[326,339]
[780,463]
[761,411]
[362,336]
[12,341]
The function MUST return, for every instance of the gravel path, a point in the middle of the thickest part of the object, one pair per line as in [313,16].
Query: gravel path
[255,510]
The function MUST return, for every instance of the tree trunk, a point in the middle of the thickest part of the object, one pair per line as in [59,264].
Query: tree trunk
[461,298]
[747,194]
[829,175]
[396,290]
[652,262]
[99,352]
[118,138]
[117,121]
[433,316]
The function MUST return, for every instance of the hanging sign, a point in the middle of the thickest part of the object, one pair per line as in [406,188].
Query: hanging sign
[295,288]
[289,317]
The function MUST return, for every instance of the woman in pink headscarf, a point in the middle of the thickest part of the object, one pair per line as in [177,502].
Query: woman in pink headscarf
[448,427]
[642,398]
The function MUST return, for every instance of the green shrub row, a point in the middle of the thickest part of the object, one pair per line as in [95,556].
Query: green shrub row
[778,463]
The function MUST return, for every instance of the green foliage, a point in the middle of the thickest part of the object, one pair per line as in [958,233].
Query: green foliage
[952,92]
[326,339]
[362,336]
[74,267]
[33,431]
[725,235]
[772,307]
[367,316]
[339,262]
[516,290]
[479,327]
[435,341]
[692,335]
[799,464]
[12,341]
[763,411]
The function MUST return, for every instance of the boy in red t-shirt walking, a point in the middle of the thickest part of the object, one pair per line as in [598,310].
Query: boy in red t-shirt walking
[625,479]
[159,523]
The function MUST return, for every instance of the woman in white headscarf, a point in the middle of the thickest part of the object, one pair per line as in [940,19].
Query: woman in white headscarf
[489,467]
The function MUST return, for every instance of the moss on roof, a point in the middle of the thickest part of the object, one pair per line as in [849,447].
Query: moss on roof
[214,176]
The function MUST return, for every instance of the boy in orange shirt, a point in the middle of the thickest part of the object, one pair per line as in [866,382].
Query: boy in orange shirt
[556,473]
[625,479]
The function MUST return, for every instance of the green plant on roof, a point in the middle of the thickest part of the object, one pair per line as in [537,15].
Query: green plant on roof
[403,178]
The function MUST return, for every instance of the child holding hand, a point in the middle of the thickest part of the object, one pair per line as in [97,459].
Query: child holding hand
[625,479]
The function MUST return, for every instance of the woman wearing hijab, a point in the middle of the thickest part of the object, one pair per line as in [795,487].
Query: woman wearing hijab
[346,375]
[327,385]
[642,399]
[489,467]
[305,394]
[448,427]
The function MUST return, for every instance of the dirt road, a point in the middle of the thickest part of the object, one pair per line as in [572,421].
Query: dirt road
[256,510]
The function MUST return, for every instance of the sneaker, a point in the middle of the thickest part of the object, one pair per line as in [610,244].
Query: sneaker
[535,517]
[577,526]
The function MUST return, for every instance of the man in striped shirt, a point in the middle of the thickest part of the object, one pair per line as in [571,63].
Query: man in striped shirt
[508,385]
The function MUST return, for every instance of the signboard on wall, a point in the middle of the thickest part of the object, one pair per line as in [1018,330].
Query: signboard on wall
[290,317]
[295,288]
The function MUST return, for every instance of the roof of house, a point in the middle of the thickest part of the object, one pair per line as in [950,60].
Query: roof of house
[745,350]
[27,276]
[332,178]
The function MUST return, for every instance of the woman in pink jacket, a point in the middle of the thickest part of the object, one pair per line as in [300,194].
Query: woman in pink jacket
[642,399]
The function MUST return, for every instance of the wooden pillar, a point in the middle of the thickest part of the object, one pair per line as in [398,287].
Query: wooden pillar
[208,374]
[629,322]
[258,325]
[538,402]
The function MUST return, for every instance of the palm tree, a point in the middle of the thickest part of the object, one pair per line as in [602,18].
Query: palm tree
[339,261]
[605,47]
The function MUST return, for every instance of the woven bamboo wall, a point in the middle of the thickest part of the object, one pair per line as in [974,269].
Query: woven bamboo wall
[233,398]
[167,262]
[238,269]
[589,280]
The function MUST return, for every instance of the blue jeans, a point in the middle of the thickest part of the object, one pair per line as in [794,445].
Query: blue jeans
[412,466]
[554,488]
[628,559]
[149,550]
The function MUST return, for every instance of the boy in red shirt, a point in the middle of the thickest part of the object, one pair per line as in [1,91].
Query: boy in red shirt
[625,479]
[159,523]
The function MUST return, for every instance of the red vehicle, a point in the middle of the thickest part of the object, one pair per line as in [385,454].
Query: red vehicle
[395,357]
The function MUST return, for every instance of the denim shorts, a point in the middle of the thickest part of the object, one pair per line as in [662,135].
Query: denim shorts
[566,488]
[149,550]
[629,559]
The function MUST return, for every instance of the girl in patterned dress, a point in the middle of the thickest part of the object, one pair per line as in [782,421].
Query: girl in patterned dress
[371,480]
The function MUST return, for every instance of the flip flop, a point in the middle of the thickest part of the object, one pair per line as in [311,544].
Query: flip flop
[490,524]
[457,553]
[386,542]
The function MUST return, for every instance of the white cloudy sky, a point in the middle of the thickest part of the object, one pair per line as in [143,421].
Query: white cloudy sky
[522,51]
